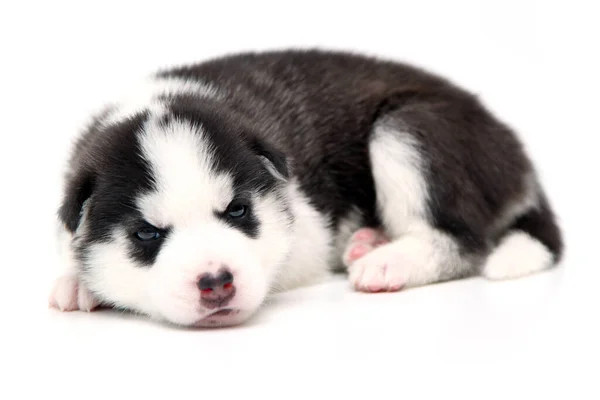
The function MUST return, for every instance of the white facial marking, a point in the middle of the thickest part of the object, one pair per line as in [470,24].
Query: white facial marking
[189,190]
[113,275]
[147,96]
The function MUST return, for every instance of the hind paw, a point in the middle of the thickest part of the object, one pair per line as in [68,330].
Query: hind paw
[362,242]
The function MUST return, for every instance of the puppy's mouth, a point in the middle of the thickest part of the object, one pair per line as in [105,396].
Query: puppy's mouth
[220,317]
[224,312]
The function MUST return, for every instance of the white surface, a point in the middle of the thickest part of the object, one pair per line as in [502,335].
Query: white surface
[532,62]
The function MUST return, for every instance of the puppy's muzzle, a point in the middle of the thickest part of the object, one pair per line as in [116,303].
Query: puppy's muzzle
[216,291]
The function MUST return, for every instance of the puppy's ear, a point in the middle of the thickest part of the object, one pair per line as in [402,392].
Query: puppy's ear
[79,188]
[274,160]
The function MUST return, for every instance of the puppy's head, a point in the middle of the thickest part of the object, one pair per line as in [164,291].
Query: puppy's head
[181,215]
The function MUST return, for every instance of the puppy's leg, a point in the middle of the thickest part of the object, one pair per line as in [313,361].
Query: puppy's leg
[533,243]
[419,252]
[69,292]
[422,255]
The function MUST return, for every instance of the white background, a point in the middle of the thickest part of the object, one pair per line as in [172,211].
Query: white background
[533,62]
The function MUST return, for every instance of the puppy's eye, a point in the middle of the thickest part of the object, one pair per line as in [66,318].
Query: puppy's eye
[146,234]
[236,211]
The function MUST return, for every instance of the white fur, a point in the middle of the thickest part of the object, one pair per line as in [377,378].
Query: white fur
[399,183]
[417,258]
[168,290]
[517,255]
[69,293]
[188,191]
[418,254]
[182,167]
[114,276]
[145,96]
[309,258]
[65,250]
[285,255]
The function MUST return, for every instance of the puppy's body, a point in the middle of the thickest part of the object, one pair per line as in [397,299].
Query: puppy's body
[316,145]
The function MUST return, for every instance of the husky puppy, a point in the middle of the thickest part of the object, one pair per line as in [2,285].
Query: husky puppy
[221,182]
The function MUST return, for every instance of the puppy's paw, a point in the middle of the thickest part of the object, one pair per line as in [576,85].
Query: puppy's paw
[384,269]
[363,241]
[70,294]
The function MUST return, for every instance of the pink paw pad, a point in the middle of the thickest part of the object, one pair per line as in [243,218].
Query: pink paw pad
[358,251]
[364,235]
[362,242]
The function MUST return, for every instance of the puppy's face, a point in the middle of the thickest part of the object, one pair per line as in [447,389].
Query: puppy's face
[181,220]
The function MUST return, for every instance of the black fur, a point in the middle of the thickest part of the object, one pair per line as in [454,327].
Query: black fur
[540,224]
[311,114]
[248,224]
[320,108]
[107,169]
[107,174]
[238,145]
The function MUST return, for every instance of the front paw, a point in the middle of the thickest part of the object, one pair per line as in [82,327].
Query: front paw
[70,294]
[382,270]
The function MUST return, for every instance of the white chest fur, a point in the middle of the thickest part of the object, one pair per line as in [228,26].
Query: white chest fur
[311,251]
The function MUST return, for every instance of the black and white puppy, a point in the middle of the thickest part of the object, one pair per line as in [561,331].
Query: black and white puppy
[222,182]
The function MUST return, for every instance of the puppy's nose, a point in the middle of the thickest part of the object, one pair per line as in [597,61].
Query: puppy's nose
[216,291]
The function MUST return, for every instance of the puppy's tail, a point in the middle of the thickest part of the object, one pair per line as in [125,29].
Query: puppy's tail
[533,243]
